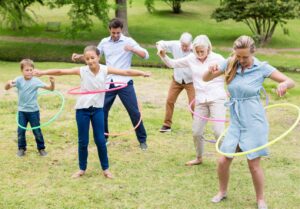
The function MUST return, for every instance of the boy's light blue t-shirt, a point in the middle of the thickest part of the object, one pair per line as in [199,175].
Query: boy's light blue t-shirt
[27,93]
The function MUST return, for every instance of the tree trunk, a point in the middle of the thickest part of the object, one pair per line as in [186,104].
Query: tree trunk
[121,12]
[176,6]
[265,38]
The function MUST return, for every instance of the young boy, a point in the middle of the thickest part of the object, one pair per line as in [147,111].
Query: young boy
[28,108]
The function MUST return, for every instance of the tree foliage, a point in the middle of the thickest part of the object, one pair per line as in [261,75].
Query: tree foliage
[81,13]
[149,5]
[15,13]
[261,16]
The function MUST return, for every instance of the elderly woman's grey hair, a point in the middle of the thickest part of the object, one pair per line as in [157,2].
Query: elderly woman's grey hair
[202,41]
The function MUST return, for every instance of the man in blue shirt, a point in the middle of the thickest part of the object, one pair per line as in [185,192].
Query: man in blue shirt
[118,51]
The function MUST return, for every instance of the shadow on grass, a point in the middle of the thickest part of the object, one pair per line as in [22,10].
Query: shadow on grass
[169,13]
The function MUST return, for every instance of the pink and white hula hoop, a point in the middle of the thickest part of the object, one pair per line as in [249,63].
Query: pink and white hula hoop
[74,92]
[203,117]
[130,131]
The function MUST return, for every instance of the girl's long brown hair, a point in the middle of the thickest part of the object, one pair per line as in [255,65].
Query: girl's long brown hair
[242,42]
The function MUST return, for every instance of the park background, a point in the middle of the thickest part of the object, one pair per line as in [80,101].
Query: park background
[156,178]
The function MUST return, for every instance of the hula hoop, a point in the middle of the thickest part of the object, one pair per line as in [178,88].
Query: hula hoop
[73,90]
[268,144]
[51,119]
[205,118]
[220,120]
[130,131]
[210,141]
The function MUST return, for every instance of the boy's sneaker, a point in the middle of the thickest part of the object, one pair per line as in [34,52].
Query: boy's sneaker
[165,129]
[21,153]
[43,152]
[143,146]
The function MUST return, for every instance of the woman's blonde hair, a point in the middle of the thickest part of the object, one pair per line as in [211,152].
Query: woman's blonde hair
[243,42]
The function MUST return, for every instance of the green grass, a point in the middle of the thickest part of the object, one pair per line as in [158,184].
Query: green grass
[37,51]
[146,28]
[154,179]
[51,52]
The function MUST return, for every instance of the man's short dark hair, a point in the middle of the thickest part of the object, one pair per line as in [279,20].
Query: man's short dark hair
[116,23]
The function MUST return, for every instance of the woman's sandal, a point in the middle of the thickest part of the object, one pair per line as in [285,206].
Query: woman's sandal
[218,198]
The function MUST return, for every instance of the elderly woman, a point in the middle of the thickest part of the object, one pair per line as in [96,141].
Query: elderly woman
[210,96]
[248,128]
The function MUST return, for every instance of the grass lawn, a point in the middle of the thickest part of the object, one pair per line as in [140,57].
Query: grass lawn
[154,179]
[146,28]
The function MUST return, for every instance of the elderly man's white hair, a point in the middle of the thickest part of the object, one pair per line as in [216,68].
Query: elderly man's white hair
[202,41]
[186,38]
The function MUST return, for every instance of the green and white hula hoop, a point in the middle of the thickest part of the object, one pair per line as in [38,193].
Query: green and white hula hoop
[268,144]
[51,119]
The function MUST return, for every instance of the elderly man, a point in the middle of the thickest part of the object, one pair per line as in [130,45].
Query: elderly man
[182,77]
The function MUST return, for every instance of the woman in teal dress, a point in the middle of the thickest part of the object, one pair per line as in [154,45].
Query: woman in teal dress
[248,127]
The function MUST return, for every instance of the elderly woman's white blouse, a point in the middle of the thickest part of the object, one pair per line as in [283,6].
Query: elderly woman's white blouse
[205,91]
